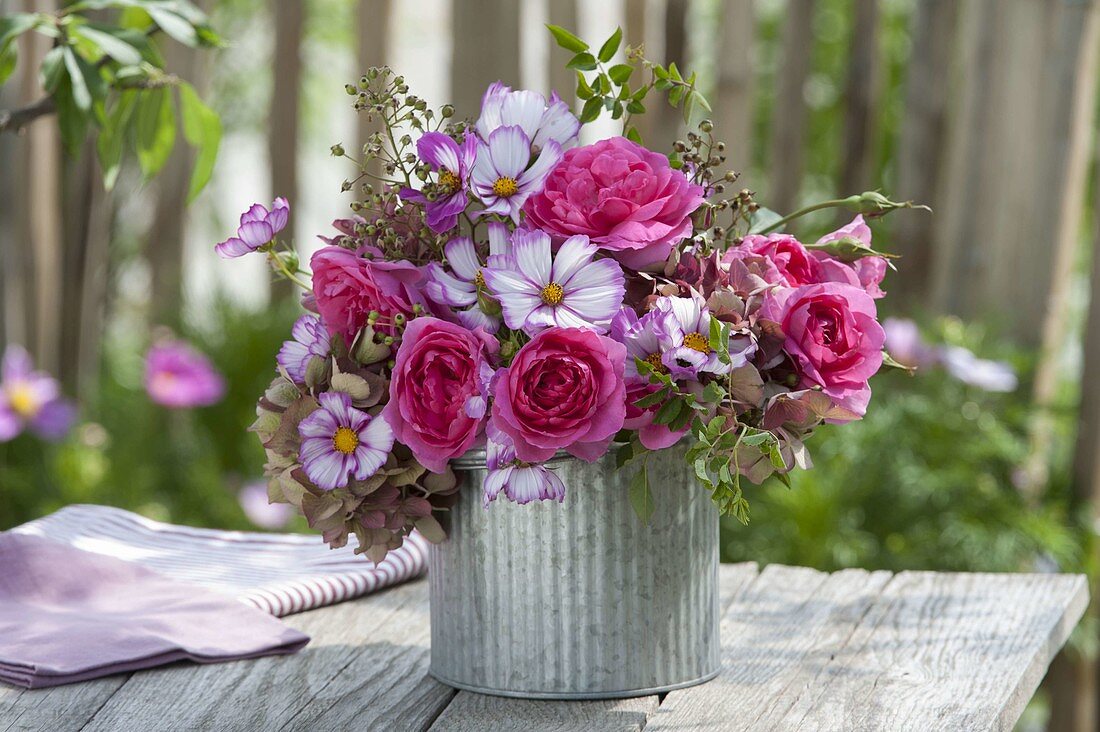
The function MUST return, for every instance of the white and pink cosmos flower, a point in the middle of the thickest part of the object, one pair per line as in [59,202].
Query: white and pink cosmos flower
[341,443]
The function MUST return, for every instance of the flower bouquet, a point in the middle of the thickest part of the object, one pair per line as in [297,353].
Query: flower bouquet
[504,296]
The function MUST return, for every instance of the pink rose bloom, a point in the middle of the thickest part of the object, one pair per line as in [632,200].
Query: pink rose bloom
[623,197]
[833,335]
[866,272]
[796,265]
[347,287]
[437,397]
[564,389]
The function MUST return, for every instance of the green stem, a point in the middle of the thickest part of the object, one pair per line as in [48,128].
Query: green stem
[834,203]
[281,268]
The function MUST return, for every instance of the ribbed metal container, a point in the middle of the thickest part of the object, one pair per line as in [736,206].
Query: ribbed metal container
[578,600]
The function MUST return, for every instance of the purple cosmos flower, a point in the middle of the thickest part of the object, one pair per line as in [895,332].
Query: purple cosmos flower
[987,375]
[260,511]
[179,377]
[340,442]
[258,228]
[311,340]
[645,338]
[30,398]
[464,286]
[521,482]
[569,290]
[688,333]
[501,178]
[905,344]
[541,121]
[452,163]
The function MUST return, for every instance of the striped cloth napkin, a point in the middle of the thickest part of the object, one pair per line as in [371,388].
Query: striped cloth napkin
[279,574]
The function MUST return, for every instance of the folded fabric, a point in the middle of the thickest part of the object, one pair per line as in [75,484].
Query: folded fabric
[70,615]
[277,573]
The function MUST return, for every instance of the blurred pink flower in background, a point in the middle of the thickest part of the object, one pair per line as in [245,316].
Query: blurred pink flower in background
[254,503]
[179,377]
[906,345]
[31,399]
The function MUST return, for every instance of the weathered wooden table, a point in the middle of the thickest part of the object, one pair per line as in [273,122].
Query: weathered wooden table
[802,650]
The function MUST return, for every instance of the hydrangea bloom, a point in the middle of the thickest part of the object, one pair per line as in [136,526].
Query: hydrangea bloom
[501,177]
[311,340]
[521,482]
[257,229]
[569,289]
[540,120]
[30,399]
[179,377]
[340,442]
[452,163]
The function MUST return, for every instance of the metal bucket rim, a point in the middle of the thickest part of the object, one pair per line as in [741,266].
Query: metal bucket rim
[475,459]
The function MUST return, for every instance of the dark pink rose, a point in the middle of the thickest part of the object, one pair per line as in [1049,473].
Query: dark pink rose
[832,333]
[564,389]
[437,394]
[795,264]
[347,287]
[866,272]
[625,198]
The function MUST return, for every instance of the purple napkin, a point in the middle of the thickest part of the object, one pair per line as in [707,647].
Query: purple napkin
[68,615]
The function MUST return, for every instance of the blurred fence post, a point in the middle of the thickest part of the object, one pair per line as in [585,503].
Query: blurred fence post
[920,153]
[666,122]
[861,99]
[562,80]
[286,110]
[634,34]
[790,111]
[372,49]
[733,102]
[485,49]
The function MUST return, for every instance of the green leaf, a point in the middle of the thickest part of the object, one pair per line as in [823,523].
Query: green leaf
[81,96]
[156,131]
[582,62]
[640,497]
[713,393]
[8,59]
[53,68]
[111,45]
[669,411]
[591,109]
[14,25]
[584,91]
[611,45]
[620,73]
[72,121]
[203,129]
[112,137]
[567,40]
[173,25]
[632,133]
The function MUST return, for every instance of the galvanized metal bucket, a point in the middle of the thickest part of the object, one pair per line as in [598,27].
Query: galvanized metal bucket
[578,600]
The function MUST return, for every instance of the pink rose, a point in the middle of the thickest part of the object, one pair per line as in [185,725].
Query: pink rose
[564,389]
[832,333]
[437,401]
[620,195]
[796,265]
[866,272]
[347,287]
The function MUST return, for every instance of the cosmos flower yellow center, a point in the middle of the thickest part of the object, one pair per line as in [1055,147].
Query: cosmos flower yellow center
[505,187]
[654,360]
[553,294]
[345,440]
[697,342]
[448,181]
[479,280]
[22,400]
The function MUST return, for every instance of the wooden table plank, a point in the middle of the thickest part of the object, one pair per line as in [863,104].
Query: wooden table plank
[774,638]
[946,651]
[364,668]
[60,709]
[471,712]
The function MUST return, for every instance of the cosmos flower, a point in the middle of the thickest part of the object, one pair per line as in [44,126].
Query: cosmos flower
[463,288]
[521,482]
[452,163]
[179,377]
[569,289]
[30,399]
[258,228]
[501,178]
[687,332]
[310,340]
[340,442]
[540,120]
[645,339]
